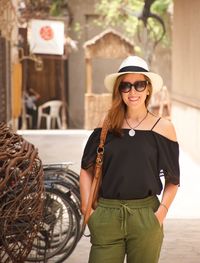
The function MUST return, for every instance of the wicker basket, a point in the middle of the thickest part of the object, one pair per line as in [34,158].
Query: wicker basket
[21,196]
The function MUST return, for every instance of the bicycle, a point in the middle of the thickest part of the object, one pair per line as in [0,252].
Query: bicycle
[60,228]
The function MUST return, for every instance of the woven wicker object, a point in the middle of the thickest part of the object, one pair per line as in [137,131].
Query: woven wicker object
[21,196]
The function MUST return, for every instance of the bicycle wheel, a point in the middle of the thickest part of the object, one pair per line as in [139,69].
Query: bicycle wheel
[62,173]
[71,244]
[69,191]
[57,227]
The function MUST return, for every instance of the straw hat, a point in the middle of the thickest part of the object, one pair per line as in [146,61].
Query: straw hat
[134,64]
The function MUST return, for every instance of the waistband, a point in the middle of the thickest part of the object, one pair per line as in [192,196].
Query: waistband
[136,203]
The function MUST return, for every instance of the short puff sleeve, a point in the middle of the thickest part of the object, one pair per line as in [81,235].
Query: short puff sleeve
[90,151]
[168,159]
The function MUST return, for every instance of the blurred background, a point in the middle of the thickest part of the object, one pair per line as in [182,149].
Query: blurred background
[54,55]
[61,50]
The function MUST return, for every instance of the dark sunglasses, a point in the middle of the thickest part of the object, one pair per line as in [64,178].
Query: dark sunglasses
[139,86]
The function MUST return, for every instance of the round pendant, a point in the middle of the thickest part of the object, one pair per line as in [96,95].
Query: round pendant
[131,132]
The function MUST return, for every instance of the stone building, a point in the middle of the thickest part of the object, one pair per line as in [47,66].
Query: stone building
[185,73]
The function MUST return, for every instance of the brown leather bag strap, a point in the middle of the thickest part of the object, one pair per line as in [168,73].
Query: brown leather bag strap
[104,132]
[100,149]
[98,172]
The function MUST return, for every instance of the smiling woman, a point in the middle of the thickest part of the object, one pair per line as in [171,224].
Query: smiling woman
[139,148]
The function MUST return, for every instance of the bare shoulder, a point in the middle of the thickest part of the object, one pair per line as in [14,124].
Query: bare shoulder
[166,128]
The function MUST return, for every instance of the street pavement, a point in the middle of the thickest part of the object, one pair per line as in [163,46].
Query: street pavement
[182,226]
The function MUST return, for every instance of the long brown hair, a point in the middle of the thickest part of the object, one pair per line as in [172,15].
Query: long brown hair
[117,112]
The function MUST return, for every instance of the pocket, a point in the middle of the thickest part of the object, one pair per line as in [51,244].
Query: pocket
[155,218]
[92,215]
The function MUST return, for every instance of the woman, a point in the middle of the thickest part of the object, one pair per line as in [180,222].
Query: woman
[139,149]
[31,97]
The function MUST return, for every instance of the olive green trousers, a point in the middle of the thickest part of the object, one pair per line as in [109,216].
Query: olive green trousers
[128,228]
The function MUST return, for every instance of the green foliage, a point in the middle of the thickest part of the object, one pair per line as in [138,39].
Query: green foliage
[123,14]
[56,7]
[112,14]
[78,29]
[161,6]
[45,8]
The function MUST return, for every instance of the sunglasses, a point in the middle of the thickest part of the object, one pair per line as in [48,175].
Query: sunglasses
[139,86]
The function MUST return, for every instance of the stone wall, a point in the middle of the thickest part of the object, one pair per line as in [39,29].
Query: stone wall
[185,74]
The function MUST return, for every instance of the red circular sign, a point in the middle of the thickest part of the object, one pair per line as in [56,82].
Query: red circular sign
[46,33]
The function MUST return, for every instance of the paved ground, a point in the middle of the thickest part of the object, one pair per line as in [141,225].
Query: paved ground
[182,226]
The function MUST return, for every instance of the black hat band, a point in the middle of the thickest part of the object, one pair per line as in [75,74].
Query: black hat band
[132,69]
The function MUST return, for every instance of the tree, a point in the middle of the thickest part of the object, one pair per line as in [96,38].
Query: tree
[145,19]
[45,9]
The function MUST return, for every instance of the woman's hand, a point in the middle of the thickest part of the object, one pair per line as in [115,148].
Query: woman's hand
[168,196]
[92,211]
[161,214]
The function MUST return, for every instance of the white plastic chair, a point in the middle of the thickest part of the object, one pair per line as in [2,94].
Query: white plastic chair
[29,120]
[53,116]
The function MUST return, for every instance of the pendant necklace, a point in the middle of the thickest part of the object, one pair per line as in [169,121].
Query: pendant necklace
[132,131]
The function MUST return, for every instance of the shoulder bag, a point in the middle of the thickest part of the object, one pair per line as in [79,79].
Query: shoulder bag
[94,191]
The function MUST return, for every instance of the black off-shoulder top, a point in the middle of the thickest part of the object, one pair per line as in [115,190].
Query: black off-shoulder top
[133,166]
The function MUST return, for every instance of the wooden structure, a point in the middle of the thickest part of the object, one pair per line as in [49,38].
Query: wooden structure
[108,44]
[50,80]
[8,22]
